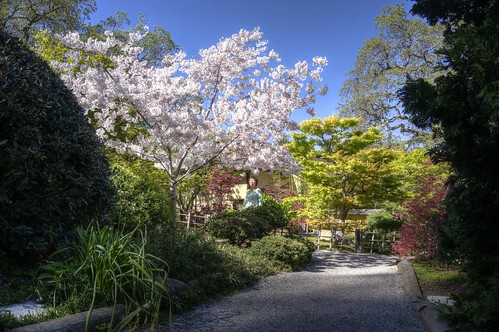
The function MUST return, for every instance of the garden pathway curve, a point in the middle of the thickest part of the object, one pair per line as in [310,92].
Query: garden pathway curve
[336,292]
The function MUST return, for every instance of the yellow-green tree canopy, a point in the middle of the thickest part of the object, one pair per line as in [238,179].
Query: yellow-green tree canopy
[343,168]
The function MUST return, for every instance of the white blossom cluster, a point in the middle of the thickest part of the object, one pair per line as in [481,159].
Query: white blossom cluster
[231,104]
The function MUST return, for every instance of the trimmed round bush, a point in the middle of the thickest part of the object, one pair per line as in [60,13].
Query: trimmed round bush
[53,171]
[250,223]
[294,253]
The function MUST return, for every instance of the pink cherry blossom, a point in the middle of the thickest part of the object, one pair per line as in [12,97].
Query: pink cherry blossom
[230,105]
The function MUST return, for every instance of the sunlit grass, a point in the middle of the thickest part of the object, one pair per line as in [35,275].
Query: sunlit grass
[438,278]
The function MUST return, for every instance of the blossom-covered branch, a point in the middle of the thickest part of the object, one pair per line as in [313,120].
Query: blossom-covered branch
[232,104]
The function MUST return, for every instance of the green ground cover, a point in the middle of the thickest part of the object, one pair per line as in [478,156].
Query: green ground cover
[438,278]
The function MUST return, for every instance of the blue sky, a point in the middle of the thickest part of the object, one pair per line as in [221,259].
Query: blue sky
[296,29]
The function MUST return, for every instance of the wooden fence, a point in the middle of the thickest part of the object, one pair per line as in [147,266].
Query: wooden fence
[193,220]
[358,240]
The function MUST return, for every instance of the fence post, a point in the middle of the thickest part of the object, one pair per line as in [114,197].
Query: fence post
[358,240]
[319,238]
[372,241]
[331,239]
[188,219]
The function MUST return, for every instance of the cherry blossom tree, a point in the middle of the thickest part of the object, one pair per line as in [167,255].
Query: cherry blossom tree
[230,105]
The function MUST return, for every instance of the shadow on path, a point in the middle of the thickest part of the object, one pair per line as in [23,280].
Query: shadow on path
[336,292]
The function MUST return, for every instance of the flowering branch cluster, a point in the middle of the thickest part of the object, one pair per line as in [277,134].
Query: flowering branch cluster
[231,104]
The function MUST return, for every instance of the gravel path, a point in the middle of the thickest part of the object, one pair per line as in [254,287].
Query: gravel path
[336,292]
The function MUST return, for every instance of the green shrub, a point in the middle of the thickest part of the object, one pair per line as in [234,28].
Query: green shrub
[53,172]
[250,223]
[293,253]
[195,259]
[237,226]
[188,253]
[212,269]
[142,192]
[383,220]
[476,309]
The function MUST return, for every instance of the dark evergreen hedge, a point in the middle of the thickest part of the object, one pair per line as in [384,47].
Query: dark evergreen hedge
[53,172]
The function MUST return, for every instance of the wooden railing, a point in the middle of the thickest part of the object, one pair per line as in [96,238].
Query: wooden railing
[193,220]
[358,240]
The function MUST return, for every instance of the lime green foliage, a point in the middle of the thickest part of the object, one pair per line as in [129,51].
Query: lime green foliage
[142,192]
[48,47]
[250,223]
[106,267]
[342,168]
[292,253]
[416,165]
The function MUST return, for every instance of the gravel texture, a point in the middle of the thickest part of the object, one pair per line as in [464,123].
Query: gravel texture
[336,292]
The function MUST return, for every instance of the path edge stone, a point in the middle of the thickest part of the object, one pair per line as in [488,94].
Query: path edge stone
[427,310]
[76,322]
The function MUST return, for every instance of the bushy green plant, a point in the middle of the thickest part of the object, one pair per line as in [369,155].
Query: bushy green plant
[142,192]
[53,172]
[383,220]
[239,226]
[107,267]
[209,268]
[188,253]
[476,309]
[293,253]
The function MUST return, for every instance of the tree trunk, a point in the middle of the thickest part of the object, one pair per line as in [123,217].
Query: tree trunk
[173,196]
[342,217]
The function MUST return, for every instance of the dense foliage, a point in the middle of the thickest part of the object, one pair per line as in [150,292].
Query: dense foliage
[142,192]
[465,104]
[239,226]
[210,269]
[343,167]
[53,172]
[383,220]
[423,217]
[107,266]
[292,253]
[403,47]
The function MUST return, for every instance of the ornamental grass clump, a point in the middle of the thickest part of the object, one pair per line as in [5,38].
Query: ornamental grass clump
[107,267]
